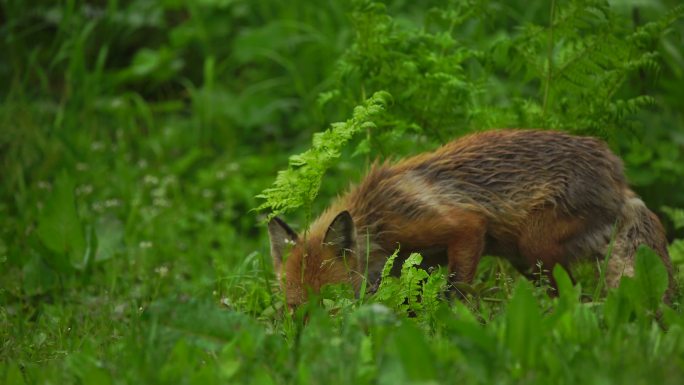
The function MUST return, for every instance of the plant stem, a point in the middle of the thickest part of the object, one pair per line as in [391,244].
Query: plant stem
[549,59]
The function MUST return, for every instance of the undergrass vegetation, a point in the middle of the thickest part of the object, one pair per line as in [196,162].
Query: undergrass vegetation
[144,143]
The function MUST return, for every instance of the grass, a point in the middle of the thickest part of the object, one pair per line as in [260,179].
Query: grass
[136,137]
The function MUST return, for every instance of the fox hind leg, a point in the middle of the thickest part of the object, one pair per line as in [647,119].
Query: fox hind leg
[637,226]
[464,252]
[547,241]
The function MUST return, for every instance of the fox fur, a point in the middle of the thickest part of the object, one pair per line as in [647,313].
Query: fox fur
[529,196]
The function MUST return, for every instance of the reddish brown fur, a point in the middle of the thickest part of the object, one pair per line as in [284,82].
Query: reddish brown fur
[529,196]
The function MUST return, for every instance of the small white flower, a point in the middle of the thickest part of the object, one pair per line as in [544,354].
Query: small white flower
[98,207]
[160,202]
[120,309]
[112,203]
[150,180]
[85,189]
[163,271]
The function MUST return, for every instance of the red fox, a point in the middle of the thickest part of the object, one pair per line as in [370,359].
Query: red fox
[529,196]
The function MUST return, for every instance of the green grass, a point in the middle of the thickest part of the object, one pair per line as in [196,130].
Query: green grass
[136,136]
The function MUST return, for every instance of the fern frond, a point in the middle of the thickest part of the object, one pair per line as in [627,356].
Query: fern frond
[299,184]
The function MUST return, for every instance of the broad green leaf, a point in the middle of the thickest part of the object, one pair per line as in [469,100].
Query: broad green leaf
[650,276]
[179,362]
[209,326]
[60,229]
[620,304]
[568,294]
[91,374]
[676,215]
[523,324]
[12,374]
[38,277]
[110,234]
[262,378]
[568,298]
[566,289]
[414,353]
[468,331]
[676,251]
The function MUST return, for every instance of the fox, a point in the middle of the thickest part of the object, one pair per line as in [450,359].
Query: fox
[533,197]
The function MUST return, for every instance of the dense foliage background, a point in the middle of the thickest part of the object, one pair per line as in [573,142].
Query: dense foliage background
[138,138]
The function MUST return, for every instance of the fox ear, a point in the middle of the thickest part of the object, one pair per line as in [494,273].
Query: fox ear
[341,233]
[280,235]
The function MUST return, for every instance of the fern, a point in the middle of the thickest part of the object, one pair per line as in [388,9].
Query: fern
[410,282]
[389,289]
[415,290]
[580,60]
[432,290]
[299,184]
[424,70]
[676,215]
[446,80]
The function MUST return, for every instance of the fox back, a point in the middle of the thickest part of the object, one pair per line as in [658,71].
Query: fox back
[529,196]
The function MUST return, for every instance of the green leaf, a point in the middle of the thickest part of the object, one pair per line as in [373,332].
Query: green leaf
[12,374]
[60,229]
[568,294]
[676,215]
[523,324]
[38,277]
[620,304]
[640,295]
[650,277]
[209,326]
[676,251]
[110,234]
[568,298]
[413,352]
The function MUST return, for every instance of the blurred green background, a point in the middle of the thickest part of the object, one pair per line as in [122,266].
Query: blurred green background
[136,135]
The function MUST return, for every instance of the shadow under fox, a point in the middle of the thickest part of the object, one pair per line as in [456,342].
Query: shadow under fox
[528,196]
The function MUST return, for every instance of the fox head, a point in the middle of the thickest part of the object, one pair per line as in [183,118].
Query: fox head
[305,263]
